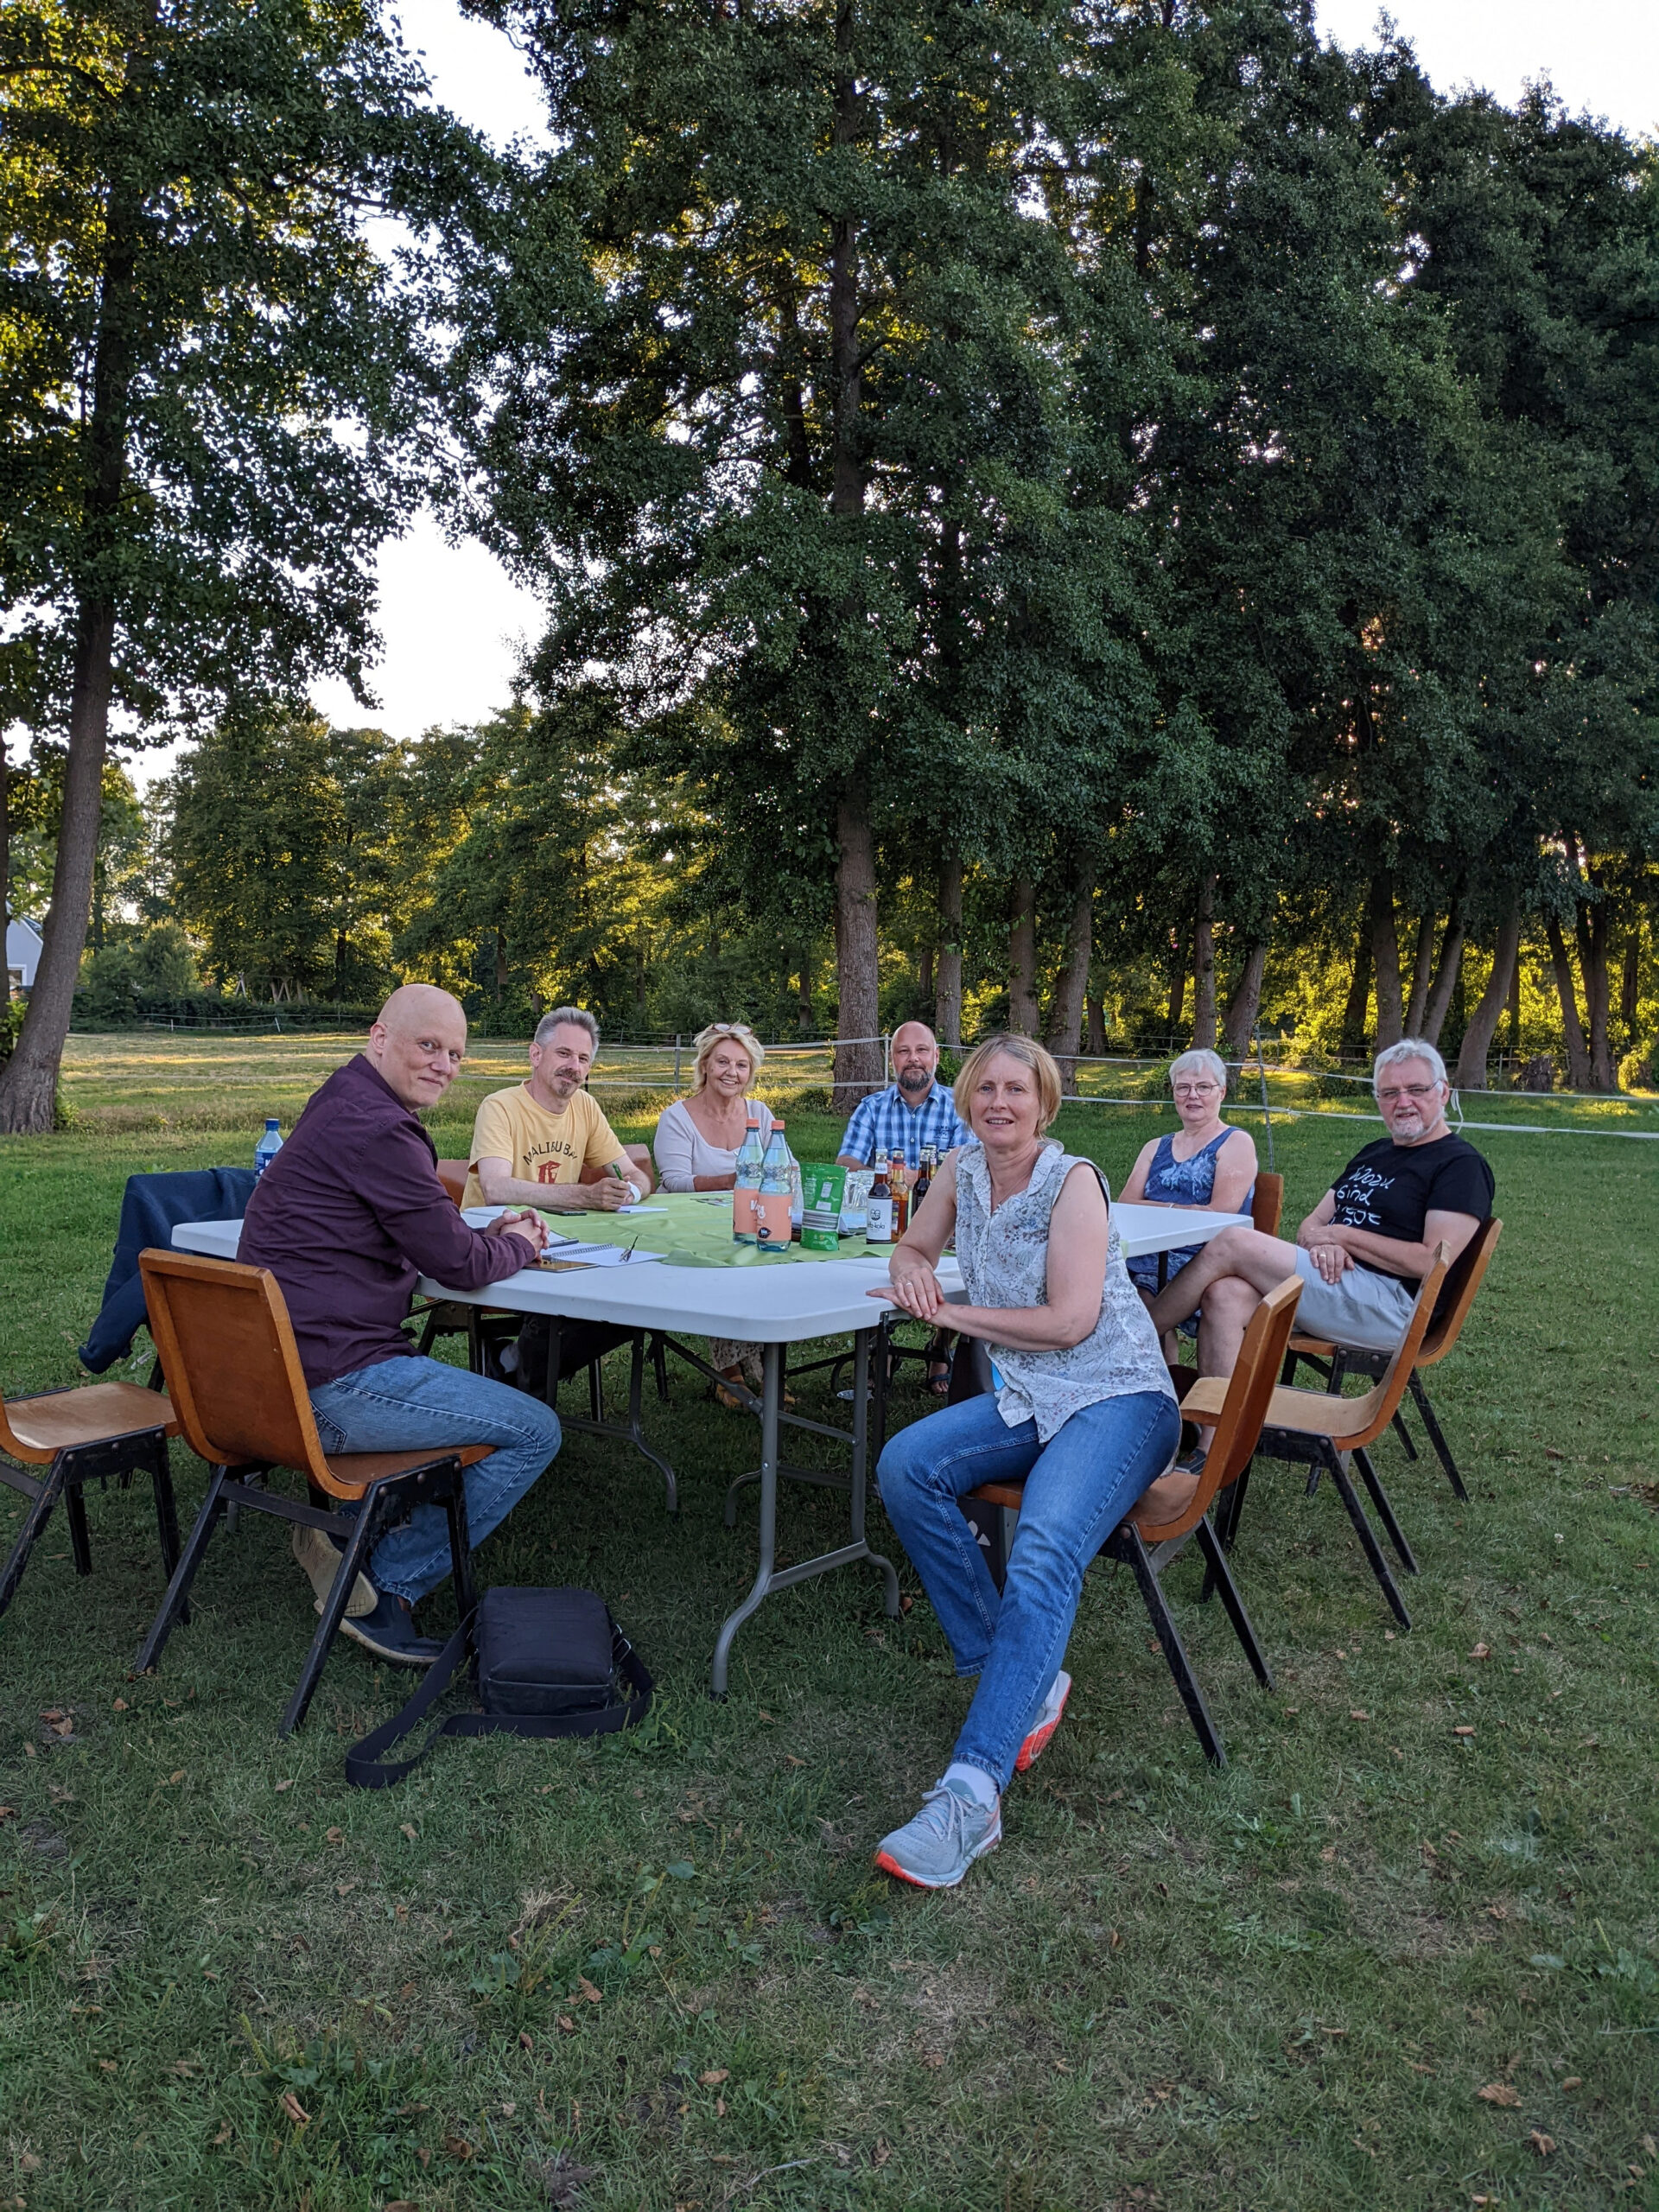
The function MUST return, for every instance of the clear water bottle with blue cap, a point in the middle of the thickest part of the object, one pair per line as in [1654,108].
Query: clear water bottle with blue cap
[268,1147]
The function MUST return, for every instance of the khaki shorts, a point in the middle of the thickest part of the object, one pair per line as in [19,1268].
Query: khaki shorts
[1369,1311]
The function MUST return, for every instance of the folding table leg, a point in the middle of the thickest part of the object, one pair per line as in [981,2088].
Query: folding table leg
[861,1466]
[1128,1545]
[1385,1510]
[1443,1450]
[1363,1529]
[1217,1571]
[771,1393]
[178,1589]
[40,1512]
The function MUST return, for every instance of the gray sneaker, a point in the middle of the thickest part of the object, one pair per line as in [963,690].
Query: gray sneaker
[936,1848]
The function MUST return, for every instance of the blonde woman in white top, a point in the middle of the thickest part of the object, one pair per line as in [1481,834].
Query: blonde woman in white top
[697,1147]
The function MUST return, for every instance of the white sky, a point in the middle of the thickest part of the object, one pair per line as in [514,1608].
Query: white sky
[453,622]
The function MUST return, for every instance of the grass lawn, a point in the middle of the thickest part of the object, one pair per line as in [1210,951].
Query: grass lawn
[1374,1963]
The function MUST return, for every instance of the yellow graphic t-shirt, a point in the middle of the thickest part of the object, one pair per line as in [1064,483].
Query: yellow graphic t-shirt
[539,1146]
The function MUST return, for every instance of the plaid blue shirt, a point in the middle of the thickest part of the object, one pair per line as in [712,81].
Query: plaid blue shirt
[882,1122]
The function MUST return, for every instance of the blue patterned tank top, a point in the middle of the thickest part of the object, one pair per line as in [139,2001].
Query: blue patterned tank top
[1188,1182]
[1004,1260]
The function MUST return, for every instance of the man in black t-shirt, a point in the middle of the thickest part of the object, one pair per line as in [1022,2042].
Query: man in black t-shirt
[1364,1248]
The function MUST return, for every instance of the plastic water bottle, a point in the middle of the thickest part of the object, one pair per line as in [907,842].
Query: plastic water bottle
[797,1195]
[750,1161]
[268,1147]
[772,1200]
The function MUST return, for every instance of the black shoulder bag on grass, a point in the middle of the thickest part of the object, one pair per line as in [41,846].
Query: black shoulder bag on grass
[547,1662]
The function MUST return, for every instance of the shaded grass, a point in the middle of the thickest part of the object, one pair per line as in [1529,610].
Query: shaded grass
[1281,1984]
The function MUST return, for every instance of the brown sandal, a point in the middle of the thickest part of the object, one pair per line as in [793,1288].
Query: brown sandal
[938,1378]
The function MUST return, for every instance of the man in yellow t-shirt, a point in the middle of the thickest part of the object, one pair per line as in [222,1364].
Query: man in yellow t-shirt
[531,1144]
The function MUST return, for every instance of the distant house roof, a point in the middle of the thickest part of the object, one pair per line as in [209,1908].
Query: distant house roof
[23,948]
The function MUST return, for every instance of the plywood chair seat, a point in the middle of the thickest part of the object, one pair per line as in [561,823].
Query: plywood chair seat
[82,1436]
[1176,1505]
[227,1347]
[1351,1422]
[36,1430]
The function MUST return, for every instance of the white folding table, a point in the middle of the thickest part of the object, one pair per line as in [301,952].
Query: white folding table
[772,1305]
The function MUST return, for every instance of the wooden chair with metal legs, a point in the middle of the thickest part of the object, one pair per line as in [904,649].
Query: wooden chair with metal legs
[1267,1203]
[1334,1361]
[1176,1507]
[1314,1429]
[233,1365]
[82,1436]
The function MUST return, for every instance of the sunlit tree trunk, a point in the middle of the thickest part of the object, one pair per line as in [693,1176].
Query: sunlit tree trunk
[1385,961]
[947,1017]
[1577,1058]
[1203,966]
[1023,957]
[1471,1073]
[1246,1001]
[1445,976]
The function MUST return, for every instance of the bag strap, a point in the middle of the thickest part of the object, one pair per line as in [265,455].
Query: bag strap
[366,1767]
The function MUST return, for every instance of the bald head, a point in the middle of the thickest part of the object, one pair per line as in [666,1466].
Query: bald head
[915,1059]
[418,1041]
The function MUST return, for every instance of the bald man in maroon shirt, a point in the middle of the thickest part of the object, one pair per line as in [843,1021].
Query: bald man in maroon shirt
[348,1215]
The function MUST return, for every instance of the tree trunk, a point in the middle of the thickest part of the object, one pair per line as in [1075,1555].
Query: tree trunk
[858,1065]
[947,995]
[1246,1001]
[5,867]
[1065,1011]
[28,1082]
[1023,957]
[1097,1028]
[924,978]
[1477,1036]
[1578,1060]
[1385,961]
[1446,977]
[1628,991]
[1177,982]
[1592,930]
[1351,1042]
[500,965]
[1203,966]
[1422,971]
[803,997]
[1515,1006]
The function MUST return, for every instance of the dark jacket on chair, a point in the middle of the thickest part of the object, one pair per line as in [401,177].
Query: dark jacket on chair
[152,1208]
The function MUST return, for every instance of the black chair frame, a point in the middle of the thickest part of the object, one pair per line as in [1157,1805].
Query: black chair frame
[1350,1360]
[66,1477]
[386,1503]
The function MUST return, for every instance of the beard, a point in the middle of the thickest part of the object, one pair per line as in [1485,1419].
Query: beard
[914,1079]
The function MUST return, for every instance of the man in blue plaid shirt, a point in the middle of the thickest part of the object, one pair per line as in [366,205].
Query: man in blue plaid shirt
[912,1112]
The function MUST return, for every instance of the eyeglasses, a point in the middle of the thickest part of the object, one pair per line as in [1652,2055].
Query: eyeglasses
[1410,1090]
[1195,1089]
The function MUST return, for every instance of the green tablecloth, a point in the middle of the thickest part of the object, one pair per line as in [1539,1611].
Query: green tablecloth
[694,1230]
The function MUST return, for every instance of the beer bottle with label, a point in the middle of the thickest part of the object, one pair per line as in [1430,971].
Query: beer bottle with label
[878,1215]
[900,1198]
[923,1177]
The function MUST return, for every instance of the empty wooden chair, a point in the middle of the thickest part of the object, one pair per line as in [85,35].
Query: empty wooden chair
[452,1173]
[1323,1432]
[1333,1361]
[1177,1506]
[1268,1203]
[79,1437]
[239,1394]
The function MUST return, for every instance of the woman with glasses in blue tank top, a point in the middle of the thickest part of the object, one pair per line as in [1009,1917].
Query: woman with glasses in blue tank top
[1203,1163]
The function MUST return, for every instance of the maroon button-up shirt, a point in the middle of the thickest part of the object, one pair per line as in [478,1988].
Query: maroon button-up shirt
[346,1216]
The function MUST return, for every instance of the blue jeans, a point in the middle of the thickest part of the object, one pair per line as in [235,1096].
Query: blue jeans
[1078,1487]
[410,1405]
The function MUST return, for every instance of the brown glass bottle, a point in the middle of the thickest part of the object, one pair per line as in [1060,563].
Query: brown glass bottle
[878,1228]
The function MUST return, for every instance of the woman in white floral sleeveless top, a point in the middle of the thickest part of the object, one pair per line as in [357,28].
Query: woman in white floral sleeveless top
[1081,1406]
